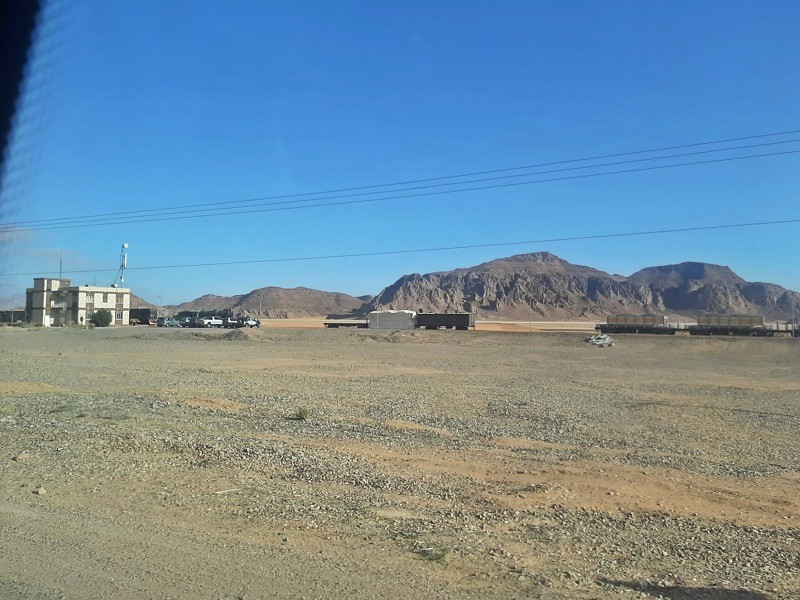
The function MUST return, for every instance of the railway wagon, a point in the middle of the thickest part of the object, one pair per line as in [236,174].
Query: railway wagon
[335,323]
[731,325]
[656,324]
[752,325]
[462,321]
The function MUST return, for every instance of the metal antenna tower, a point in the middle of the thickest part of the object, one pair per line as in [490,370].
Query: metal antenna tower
[123,264]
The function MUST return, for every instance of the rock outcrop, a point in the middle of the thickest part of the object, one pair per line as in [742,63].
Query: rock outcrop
[544,286]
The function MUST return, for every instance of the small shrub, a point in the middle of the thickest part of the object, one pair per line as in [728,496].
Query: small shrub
[433,552]
[101,318]
[303,414]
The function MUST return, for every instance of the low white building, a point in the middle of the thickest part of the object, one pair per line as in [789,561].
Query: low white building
[392,319]
[54,302]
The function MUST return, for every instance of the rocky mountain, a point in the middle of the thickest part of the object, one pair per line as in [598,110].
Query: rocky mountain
[207,302]
[137,302]
[694,287]
[543,286]
[277,303]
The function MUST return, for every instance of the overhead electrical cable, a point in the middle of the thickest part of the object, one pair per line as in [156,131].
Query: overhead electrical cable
[109,218]
[336,202]
[222,205]
[598,236]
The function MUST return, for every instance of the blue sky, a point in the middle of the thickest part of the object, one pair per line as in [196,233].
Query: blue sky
[134,106]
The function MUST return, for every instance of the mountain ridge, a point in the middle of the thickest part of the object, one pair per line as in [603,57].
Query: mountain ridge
[543,285]
[536,285]
[277,303]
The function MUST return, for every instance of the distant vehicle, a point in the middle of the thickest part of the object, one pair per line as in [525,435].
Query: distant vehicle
[600,340]
[213,321]
[168,322]
[249,322]
[231,323]
[190,322]
[143,316]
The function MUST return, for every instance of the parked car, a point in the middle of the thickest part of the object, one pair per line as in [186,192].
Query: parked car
[168,322]
[231,323]
[249,322]
[213,321]
[189,322]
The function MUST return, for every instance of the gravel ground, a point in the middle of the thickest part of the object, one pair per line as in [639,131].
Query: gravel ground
[148,463]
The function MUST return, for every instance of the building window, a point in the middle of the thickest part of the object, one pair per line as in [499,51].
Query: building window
[118,315]
[105,298]
[90,296]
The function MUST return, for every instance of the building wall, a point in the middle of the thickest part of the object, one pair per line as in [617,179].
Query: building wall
[53,302]
[49,302]
[89,299]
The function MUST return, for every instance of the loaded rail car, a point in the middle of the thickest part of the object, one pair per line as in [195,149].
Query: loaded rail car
[334,323]
[706,325]
[731,325]
[656,324]
[461,321]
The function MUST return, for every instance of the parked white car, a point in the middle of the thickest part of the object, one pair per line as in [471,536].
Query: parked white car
[214,321]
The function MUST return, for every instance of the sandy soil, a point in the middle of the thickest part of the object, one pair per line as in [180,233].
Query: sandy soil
[147,463]
[293,323]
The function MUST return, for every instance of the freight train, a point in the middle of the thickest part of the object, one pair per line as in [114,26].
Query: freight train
[403,319]
[462,321]
[706,325]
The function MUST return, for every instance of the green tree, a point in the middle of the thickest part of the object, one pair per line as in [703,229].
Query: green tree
[101,318]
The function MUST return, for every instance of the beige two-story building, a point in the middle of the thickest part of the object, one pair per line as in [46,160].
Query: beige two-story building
[54,302]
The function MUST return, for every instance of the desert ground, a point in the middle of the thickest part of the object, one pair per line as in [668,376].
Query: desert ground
[309,463]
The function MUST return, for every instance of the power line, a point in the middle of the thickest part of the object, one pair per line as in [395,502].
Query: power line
[217,211]
[115,217]
[273,208]
[574,238]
